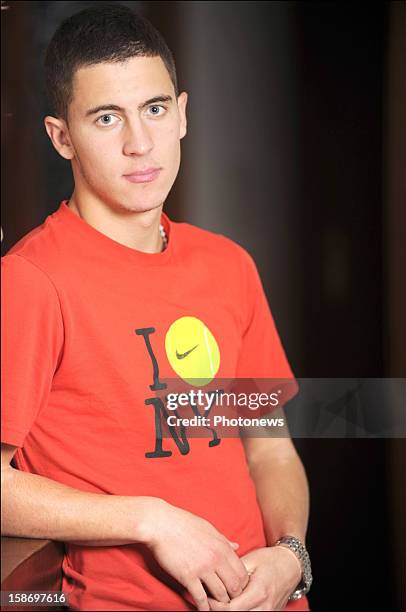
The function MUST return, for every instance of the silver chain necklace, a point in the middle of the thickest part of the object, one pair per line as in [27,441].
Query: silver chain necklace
[163,236]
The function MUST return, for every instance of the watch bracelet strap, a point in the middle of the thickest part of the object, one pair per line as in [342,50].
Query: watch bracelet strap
[301,553]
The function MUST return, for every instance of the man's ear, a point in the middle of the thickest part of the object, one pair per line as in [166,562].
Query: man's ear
[182,101]
[58,132]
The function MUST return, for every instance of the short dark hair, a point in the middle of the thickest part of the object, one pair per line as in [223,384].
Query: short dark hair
[104,33]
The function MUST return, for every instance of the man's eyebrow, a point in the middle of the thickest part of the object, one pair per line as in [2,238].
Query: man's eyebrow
[114,107]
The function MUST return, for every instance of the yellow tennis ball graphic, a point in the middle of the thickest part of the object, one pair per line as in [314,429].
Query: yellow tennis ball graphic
[192,351]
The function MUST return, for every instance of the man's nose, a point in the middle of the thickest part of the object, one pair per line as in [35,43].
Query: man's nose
[137,138]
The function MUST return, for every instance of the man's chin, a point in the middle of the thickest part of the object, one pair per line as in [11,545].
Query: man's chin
[138,207]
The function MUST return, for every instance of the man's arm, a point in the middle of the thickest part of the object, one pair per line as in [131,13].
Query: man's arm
[37,507]
[281,485]
[185,545]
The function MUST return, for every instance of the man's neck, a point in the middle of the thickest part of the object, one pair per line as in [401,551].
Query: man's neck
[138,230]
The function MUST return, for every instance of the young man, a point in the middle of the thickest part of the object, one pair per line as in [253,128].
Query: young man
[102,302]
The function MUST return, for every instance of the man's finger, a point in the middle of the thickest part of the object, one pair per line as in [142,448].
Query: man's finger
[240,569]
[216,587]
[230,578]
[218,606]
[249,599]
[199,595]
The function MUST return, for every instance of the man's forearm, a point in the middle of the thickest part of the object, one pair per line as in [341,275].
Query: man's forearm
[283,495]
[37,507]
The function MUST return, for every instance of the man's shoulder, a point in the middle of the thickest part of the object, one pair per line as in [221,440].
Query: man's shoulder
[37,249]
[212,243]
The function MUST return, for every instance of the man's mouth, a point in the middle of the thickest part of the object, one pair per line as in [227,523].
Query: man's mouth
[143,176]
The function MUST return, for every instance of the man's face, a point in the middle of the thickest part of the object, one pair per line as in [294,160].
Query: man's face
[107,143]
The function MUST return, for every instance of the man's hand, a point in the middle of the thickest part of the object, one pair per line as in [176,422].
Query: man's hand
[274,572]
[191,550]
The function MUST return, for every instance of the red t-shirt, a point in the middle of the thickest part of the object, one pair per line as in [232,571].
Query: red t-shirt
[88,326]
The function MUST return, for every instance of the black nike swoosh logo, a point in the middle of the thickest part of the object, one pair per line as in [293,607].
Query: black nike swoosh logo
[183,355]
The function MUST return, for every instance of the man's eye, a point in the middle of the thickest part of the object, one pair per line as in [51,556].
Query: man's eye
[105,120]
[155,108]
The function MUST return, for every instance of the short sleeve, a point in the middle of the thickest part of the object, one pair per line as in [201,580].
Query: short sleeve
[262,355]
[31,344]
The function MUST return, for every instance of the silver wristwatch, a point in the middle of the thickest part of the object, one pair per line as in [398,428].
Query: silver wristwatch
[301,553]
